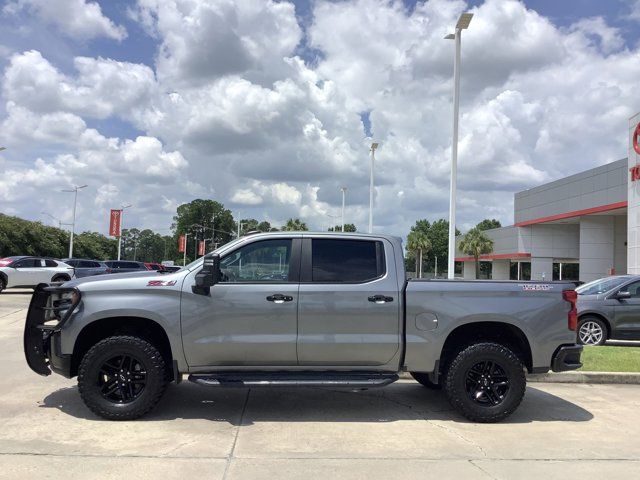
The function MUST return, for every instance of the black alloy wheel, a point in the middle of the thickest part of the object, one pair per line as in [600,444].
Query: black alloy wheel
[487,384]
[122,379]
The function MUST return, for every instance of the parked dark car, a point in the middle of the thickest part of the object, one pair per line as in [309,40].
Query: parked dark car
[609,309]
[123,266]
[86,268]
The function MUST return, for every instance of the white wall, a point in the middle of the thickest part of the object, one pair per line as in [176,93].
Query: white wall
[619,244]
[500,269]
[469,271]
[596,246]
[542,266]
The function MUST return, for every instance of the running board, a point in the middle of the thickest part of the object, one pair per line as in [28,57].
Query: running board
[293,379]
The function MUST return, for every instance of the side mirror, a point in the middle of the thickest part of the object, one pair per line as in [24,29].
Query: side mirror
[209,275]
[622,295]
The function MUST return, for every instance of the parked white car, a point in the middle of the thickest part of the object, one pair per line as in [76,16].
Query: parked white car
[27,272]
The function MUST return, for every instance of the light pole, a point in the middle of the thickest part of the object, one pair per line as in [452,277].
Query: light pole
[373,157]
[73,190]
[122,209]
[344,194]
[463,23]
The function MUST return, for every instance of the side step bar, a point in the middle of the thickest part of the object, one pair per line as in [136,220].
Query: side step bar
[293,379]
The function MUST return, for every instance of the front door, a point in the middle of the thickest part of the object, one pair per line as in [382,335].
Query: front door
[349,311]
[28,272]
[627,313]
[250,317]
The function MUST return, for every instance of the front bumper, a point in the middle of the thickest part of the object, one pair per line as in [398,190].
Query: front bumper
[45,318]
[566,357]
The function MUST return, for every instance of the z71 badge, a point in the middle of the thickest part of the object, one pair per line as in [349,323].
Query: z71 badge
[161,283]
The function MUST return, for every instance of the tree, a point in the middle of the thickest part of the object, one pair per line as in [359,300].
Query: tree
[476,243]
[419,243]
[295,225]
[266,227]
[217,221]
[488,224]
[348,227]
[438,234]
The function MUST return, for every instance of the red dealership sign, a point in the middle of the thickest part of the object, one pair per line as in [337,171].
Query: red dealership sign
[201,247]
[636,134]
[182,243]
[114,223]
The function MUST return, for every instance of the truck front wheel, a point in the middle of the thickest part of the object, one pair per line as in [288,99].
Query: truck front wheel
[485,382]
[122,377]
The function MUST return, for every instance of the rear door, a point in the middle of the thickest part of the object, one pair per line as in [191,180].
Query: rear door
[349,311]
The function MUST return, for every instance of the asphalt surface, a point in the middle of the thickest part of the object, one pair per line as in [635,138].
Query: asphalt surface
[401,431]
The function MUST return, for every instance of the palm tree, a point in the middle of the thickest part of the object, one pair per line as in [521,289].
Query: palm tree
[295,225]
[419,243]
[476,243]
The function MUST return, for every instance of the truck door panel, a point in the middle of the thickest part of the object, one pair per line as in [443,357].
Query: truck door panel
[349,310]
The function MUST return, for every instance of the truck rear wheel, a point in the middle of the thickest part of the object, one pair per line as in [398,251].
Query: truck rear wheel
[485,382]
[122,377]
[423,379]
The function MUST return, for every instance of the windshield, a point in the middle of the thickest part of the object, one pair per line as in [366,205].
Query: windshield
[600,286]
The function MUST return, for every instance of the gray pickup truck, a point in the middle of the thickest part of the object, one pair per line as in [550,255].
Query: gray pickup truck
[300,309]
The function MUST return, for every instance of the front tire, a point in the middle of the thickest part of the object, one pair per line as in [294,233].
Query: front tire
[592,331]
[122,377]
[485,382]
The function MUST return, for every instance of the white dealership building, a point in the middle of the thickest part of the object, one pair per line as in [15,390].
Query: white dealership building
[581,227]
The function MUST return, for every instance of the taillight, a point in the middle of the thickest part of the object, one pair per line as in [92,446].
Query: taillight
[572,297]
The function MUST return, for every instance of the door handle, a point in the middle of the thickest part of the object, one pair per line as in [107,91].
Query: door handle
[279,298]
[380,299]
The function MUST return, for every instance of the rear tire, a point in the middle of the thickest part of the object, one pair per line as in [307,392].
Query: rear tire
[592,331]
[3,283]
[423,379]
[122,377]
[60,278]
[485,382]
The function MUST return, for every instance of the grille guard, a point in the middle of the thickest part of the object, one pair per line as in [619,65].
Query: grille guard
[36,330]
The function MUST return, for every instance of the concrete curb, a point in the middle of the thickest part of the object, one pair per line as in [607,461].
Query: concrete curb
[629,378]
[587,377]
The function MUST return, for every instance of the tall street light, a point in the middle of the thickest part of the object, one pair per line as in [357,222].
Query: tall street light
[373,157]
[73,190]
[344,194]
[463,23]
[122,209]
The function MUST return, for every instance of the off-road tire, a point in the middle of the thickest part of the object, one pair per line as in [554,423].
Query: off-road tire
[423,379]
[585,321]
[157,377]
[455,382]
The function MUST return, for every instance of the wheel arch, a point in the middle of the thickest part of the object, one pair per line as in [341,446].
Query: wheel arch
[142,327]
[66,276]
[503,333]
[599,316]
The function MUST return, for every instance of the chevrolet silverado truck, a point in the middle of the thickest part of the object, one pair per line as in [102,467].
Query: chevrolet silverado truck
[300,309]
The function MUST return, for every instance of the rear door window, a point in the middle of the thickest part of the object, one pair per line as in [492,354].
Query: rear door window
[50,263]
[346,261]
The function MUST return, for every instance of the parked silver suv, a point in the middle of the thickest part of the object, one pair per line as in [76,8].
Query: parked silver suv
[609,308]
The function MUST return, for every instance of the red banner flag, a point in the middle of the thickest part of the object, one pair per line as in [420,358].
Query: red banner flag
[182,243]
[114,223]
[201,247]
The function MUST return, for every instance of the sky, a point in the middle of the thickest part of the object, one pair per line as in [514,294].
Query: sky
[270,107]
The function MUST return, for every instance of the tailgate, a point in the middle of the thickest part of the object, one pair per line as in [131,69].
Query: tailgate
[48,312]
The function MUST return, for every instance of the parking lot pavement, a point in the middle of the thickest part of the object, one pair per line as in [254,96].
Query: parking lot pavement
[402,431]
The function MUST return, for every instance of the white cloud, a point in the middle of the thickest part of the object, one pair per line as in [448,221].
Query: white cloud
[79,19]
[228,111]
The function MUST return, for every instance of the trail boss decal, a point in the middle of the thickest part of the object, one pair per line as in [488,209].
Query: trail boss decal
[535,287]
[161,283]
